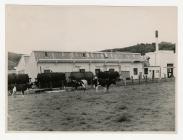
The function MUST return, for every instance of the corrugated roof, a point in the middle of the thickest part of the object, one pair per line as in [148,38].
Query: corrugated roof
[88,60]
[53,55]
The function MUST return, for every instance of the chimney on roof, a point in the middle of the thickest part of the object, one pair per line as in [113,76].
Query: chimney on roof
[157,44]
[157,48]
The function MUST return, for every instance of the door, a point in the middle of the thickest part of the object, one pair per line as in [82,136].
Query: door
[152,74]
[170,70]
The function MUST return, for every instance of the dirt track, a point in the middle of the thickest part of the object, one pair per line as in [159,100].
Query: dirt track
[147,107]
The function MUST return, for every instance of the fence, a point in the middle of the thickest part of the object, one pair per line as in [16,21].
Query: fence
[143,81]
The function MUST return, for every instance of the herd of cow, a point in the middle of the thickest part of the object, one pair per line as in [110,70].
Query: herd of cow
[76,81]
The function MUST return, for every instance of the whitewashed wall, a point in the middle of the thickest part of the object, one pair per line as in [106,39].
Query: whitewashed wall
[69,67]
[162,59]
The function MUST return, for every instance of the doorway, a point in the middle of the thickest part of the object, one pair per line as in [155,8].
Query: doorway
[152,74]
[170,70]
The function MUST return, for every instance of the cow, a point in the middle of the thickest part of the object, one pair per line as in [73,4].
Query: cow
[105,79]
[78,83]
[18,87]
[18,82]
[23,87]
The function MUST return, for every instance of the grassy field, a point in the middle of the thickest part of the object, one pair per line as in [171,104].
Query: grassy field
[146,107]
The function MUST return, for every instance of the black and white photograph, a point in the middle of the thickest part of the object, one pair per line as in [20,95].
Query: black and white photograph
[91,68]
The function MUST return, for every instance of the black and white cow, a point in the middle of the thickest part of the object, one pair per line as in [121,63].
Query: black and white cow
[12,89]
[79,83]
[105,79]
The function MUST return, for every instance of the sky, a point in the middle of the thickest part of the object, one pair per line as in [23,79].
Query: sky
[86,28]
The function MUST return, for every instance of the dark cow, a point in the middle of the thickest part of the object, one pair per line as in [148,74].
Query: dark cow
[18,82]
[105,79]
[23,87]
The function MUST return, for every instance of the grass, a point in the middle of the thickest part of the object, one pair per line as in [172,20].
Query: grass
[146,107]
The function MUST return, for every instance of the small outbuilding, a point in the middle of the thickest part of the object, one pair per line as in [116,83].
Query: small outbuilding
[162,64]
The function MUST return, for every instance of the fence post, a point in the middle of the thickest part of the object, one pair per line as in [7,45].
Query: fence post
[132,79]
[125,81]
[139,79]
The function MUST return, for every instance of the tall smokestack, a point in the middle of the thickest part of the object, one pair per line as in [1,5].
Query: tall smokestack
[156,36]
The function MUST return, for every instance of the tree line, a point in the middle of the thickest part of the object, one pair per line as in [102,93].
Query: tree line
[144,48]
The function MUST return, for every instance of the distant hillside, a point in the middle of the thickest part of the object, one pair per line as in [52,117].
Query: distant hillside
[13,59]
[144,48]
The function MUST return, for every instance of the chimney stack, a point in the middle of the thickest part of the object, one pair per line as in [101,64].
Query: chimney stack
[156,36]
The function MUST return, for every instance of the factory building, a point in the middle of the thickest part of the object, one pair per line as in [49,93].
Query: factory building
[127,64]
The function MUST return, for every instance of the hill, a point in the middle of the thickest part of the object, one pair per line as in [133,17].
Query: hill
[13,59]
[144,48]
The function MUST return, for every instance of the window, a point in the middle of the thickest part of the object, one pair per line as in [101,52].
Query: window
[169,65]
[83,54]
[135,71]
[81,70]
[145,70]
[111,70]
[46,54]
[97,71]
[47,71]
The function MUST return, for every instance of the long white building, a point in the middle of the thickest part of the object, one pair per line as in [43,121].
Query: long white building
[128,64]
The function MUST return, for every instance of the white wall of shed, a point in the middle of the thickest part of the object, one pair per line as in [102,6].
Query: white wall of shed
[162,59]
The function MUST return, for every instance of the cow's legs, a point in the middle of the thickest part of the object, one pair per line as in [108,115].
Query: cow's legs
[10,92]
[14,94]
[96,88]
[22,93]
[105,89]
[84,87]
[108,88]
